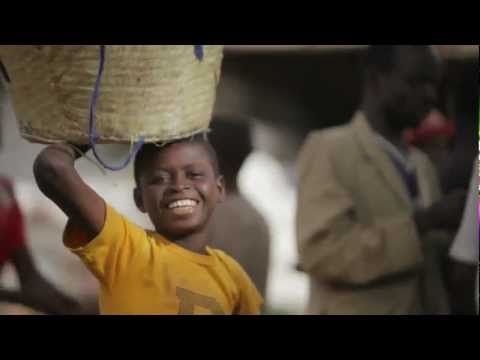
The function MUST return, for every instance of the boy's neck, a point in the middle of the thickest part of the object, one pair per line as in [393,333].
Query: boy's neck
[196,243]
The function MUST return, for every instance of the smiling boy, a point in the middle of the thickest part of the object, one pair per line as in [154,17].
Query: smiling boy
[169,271]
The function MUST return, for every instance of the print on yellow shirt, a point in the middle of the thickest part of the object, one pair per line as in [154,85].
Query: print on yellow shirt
[189,299]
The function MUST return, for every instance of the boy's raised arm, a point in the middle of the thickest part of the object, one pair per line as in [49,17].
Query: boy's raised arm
[58,179]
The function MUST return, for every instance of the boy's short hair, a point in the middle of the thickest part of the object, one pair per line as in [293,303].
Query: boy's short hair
[148,149]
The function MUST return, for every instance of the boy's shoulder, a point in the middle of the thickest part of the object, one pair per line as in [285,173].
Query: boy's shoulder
[242,281]
[229,262]
[221,255]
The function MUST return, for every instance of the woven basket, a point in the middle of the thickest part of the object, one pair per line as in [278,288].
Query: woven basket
[155,92]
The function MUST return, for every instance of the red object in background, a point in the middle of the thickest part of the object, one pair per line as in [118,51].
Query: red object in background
[12,234]
[436,125]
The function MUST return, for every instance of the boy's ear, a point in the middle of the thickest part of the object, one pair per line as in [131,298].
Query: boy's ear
[221,189]
[137,196]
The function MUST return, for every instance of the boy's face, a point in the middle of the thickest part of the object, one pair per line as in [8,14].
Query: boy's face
[179,189]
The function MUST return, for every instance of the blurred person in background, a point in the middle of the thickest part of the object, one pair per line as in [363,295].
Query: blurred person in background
[36,294]
[237,227]
[35,291]
[453,152]
[435,137]
[464,255]
[370,209]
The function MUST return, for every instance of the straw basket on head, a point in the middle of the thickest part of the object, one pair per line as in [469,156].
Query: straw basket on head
[157,93]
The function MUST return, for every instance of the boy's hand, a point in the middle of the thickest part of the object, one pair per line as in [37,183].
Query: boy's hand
[80,150]
[73,151]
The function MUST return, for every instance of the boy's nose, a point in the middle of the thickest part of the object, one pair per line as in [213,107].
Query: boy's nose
[181,187]
[180,183]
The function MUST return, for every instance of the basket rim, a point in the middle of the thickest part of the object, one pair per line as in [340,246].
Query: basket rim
[103,140]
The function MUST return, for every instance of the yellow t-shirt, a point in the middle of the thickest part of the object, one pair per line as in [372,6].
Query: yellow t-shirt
[142,273]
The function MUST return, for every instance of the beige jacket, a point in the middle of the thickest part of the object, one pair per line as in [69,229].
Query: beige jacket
[356,235]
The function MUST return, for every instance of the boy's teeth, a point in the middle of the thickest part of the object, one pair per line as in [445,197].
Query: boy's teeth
[182,203]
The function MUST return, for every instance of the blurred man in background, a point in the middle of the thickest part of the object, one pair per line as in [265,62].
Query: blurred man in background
[369,210]
[237,227]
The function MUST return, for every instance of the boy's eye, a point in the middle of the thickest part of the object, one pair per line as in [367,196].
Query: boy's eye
[159,180]
[196,175]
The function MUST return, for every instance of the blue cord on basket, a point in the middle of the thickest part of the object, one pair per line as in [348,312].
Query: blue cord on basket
[93,135]
[199,52]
